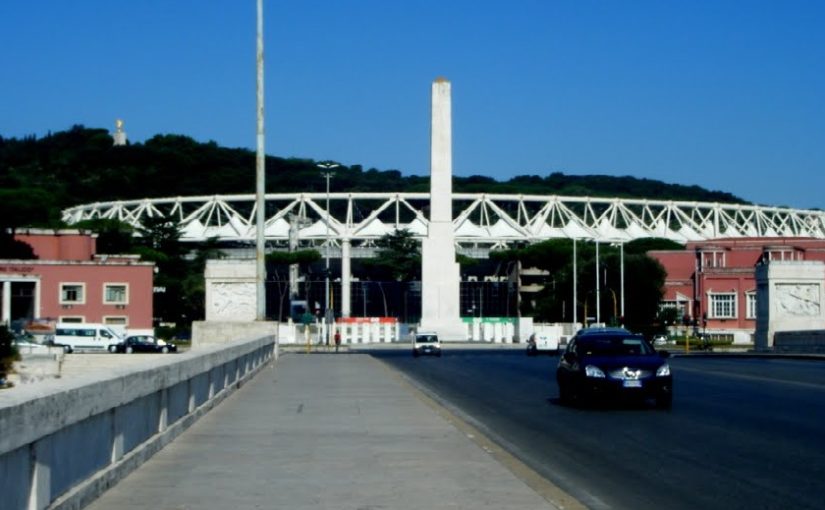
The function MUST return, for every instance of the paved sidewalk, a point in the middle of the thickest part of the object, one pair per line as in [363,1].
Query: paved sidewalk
[323,431]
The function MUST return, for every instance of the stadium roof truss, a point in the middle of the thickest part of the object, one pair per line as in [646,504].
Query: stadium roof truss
[480,220]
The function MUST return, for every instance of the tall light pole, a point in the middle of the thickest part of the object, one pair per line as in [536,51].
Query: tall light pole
[621,278]
[620,243]
[260,186]
[575,285]
[327,318]
[598,294]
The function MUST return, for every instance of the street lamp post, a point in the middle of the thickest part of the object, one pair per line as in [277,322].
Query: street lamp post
[327,318]
[598,293]
[621,278]
[575,284]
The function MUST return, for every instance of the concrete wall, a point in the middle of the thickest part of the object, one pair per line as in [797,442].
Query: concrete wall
[206,333]
[790,296]
[799,342]
[66,441]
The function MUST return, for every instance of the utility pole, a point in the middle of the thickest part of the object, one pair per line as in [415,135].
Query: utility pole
[260,185]
[327,316]
[598,294]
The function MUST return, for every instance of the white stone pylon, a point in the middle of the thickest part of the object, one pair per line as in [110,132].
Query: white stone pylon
[440,276]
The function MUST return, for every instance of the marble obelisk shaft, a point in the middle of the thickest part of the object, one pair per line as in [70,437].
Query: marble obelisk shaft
[439,271]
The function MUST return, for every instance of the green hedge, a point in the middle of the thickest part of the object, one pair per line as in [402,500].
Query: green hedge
[699,343]
[8,352]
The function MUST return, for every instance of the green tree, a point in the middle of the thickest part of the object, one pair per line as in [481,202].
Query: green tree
[8,352]
[645,245]
[193,283]
[114,237]
[643,282]
[278,263]
[398,258]
[159,242]
[10,248]
[28,207]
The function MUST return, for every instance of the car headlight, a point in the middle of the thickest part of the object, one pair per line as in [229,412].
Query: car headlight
[663,371]
[591,371]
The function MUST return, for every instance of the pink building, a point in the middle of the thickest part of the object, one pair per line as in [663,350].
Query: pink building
[712,284]
[70,283]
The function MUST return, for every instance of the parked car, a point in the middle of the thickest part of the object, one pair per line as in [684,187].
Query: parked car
[659,340]
[426,343]
[143,343]
[613,363]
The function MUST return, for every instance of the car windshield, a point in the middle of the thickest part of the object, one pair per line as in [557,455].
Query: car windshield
[614,346]
[426,339]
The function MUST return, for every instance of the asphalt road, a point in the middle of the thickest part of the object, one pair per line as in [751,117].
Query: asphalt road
[742,433]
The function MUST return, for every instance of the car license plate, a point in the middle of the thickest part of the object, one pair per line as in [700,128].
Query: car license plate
[632,384]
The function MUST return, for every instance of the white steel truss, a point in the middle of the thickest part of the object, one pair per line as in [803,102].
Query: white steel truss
[485,221]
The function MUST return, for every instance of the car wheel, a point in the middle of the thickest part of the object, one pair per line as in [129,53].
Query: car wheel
[112,349]
[129,350]
[164,350]
[565,395]
[67,349]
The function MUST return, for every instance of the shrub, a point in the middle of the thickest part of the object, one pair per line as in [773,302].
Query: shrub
[8,352]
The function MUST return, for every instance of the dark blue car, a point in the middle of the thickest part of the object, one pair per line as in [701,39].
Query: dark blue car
[609,364]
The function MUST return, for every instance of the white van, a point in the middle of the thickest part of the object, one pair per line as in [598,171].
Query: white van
[544,339]
[426,342]
[85,336]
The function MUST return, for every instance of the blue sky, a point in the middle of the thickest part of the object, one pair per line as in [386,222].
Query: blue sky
[728,95]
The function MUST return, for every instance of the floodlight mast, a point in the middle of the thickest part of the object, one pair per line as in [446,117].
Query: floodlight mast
[260,184]
[327,316]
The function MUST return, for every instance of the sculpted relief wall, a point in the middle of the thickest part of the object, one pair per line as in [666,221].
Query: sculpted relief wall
[789,297]
[798,300]
[230,290]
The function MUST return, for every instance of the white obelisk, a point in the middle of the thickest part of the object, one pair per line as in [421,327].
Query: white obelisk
[440,277]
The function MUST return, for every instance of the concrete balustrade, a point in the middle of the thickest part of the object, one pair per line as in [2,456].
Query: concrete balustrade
[65,441]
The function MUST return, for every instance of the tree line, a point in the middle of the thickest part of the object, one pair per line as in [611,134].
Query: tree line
[41,176]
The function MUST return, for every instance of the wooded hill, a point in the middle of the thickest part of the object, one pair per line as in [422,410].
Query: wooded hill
[41,176]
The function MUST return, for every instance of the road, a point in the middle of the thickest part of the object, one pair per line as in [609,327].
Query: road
[743,433]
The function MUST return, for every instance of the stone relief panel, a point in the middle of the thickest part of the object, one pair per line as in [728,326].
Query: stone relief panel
[798,300]
[233,301]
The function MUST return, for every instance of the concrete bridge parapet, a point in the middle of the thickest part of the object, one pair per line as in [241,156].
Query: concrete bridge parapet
[65,441]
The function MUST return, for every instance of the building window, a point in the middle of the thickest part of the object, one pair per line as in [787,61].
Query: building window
[115,293]
[75,319]
[680,306]
[722,306]
[713,259]
[750,305]
[782,255]
[72,293]
[110,320]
